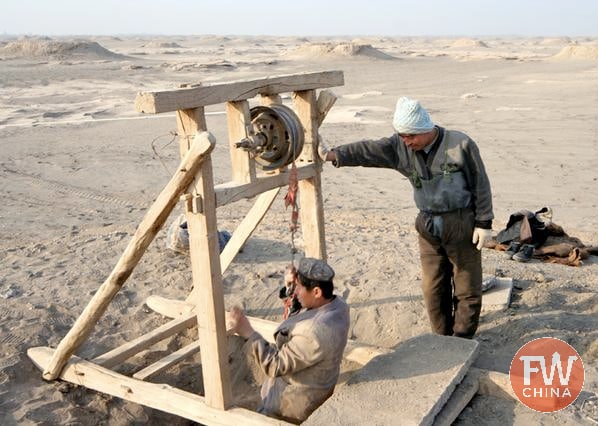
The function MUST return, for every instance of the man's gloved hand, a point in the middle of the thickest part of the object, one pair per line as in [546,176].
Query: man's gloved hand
[481,236]
[323,149]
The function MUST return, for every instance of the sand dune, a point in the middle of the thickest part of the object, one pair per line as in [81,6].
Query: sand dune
[581,52]
[161,44]
[44,47]
[328,50]
[467,42]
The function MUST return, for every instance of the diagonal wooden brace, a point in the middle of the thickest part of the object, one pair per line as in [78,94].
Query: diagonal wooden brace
[203,144]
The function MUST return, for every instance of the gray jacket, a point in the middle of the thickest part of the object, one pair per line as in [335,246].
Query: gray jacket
[454,154]
[303,367]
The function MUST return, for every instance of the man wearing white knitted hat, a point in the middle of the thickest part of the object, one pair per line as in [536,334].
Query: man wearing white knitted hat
[452,192]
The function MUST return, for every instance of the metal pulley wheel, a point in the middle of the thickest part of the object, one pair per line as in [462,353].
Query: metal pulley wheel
[277,137]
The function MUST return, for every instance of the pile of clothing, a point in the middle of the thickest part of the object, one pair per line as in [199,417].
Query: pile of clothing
[534,235]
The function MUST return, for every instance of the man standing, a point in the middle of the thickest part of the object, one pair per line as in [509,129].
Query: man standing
[452,193]
[303,366]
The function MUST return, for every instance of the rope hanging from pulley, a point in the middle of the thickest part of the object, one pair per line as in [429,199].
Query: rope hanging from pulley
[275,139]
[291,304]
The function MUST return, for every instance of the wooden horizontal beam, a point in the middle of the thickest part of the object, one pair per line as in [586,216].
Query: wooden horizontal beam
[159,396]
[188,98]
[126,351]
[168,361]
[230,192]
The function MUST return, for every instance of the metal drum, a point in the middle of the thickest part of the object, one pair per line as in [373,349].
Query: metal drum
[277,137]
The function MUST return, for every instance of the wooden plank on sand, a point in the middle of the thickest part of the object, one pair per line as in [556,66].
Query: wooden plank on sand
[159,396]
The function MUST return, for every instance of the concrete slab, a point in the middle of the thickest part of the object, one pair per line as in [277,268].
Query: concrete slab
[499,296]
[462,395]
[408,386]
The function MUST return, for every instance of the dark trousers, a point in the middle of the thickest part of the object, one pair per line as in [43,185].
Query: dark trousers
[451,273]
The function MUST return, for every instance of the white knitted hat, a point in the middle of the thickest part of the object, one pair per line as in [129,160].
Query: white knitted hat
[411,118]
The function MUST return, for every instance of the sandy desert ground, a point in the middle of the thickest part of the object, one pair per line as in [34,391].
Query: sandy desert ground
[79,167]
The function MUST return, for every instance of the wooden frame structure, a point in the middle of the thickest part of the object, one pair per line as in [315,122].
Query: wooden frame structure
[193,184]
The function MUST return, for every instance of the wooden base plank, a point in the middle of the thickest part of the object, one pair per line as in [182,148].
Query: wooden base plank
[159,396]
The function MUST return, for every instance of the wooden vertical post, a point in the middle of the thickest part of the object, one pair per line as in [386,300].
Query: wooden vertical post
[189,121]
[239,127]
[207,293]
[310,190]
[267,100]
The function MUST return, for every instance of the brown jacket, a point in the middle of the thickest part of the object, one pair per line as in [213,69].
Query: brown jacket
[303,366]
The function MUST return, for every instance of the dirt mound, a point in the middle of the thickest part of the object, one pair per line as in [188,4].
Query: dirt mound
[210,38]
[36,47]
[583,52]
[319,50]
[467,42]
[159,44]
[554,41]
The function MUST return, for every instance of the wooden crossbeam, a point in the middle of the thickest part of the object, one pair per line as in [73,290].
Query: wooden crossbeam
[168,361]
[159,396]
[230,192]
[189,98]
[129,349]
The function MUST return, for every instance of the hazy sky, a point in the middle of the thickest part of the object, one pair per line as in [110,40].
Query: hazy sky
[301,17]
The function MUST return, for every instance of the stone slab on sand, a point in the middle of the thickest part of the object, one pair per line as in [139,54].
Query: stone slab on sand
[499,296]
[463,394]
[408,386]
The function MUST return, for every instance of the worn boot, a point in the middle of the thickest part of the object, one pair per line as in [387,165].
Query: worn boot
[525,254]
[513,248]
